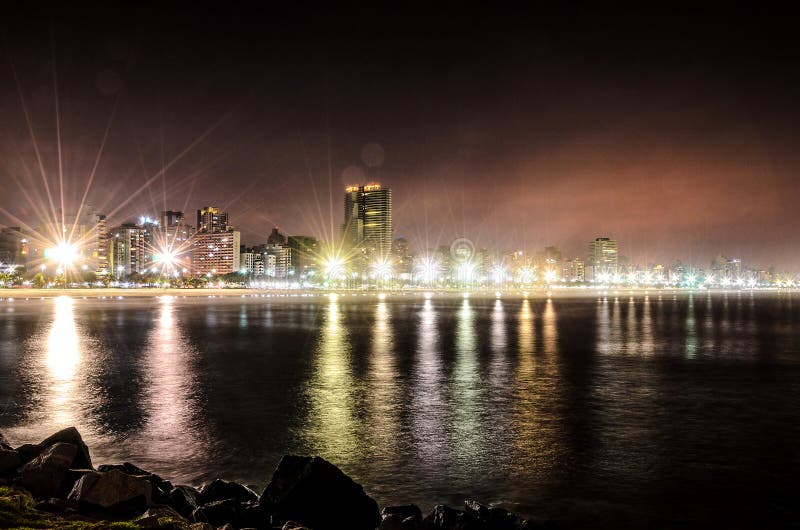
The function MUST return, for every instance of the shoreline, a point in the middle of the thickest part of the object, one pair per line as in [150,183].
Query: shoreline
[54,483]
[27,294]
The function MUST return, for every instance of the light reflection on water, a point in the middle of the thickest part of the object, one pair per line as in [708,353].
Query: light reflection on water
[541,402]
[62,360]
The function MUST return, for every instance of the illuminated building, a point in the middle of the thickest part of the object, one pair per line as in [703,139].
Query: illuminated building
[216,252]
[212,219]
[277,260]
[103,246]
[603,257]
[125,244]
[368,219]
[573,270]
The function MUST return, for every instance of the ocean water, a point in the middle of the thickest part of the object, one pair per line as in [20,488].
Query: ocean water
[609,410]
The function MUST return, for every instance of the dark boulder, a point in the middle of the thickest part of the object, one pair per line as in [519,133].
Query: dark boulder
[446,518]
[113,491]
[185,499]
[495,518]
[3,442]
[314,492]
[70,435]
[161,487]
[406,517]
[44,475]
[217,513]
[28,452]
[9,461]
[219,490]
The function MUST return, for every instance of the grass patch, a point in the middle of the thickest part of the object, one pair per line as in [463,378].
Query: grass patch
[17,512]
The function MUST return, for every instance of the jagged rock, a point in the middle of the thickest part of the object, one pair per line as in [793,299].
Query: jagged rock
[217,513]
[161,487]
[495,518]
[446,518]
[185,499]
[9,461]
[113,491]
[314,492]
[219,490]
[44,475]
[406,517]
[3,442]
[150,518]
[70,435]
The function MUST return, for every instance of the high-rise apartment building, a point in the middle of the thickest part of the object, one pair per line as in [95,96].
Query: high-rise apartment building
[216,252]
[125,242]
[103,246]
[368,219]
[212,219]
[216,247]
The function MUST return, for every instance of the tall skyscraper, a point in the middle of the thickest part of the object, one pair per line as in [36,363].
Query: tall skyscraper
[603,256]
[368,219]
[212,219]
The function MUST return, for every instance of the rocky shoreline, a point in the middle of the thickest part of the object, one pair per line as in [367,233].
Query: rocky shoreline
[56,477]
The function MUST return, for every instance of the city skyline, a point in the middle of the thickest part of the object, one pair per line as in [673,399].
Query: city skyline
[525,136]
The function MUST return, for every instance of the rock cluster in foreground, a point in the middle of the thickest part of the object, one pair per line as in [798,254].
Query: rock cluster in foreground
[304,492]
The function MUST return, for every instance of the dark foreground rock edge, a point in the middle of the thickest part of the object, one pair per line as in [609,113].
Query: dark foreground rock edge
[304,492]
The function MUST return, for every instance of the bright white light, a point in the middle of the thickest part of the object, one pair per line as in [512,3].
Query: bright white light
[550,276]
[428,270]
[64,254]
[334,268]
[526,275]
[382,270]
[499,274]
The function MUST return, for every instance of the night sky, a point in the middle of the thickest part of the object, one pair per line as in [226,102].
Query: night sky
[673,131]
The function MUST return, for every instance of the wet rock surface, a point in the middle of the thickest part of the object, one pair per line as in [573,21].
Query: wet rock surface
[314,492]
[303,493]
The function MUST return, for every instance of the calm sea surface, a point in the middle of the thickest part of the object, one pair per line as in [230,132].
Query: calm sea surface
[621,410]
